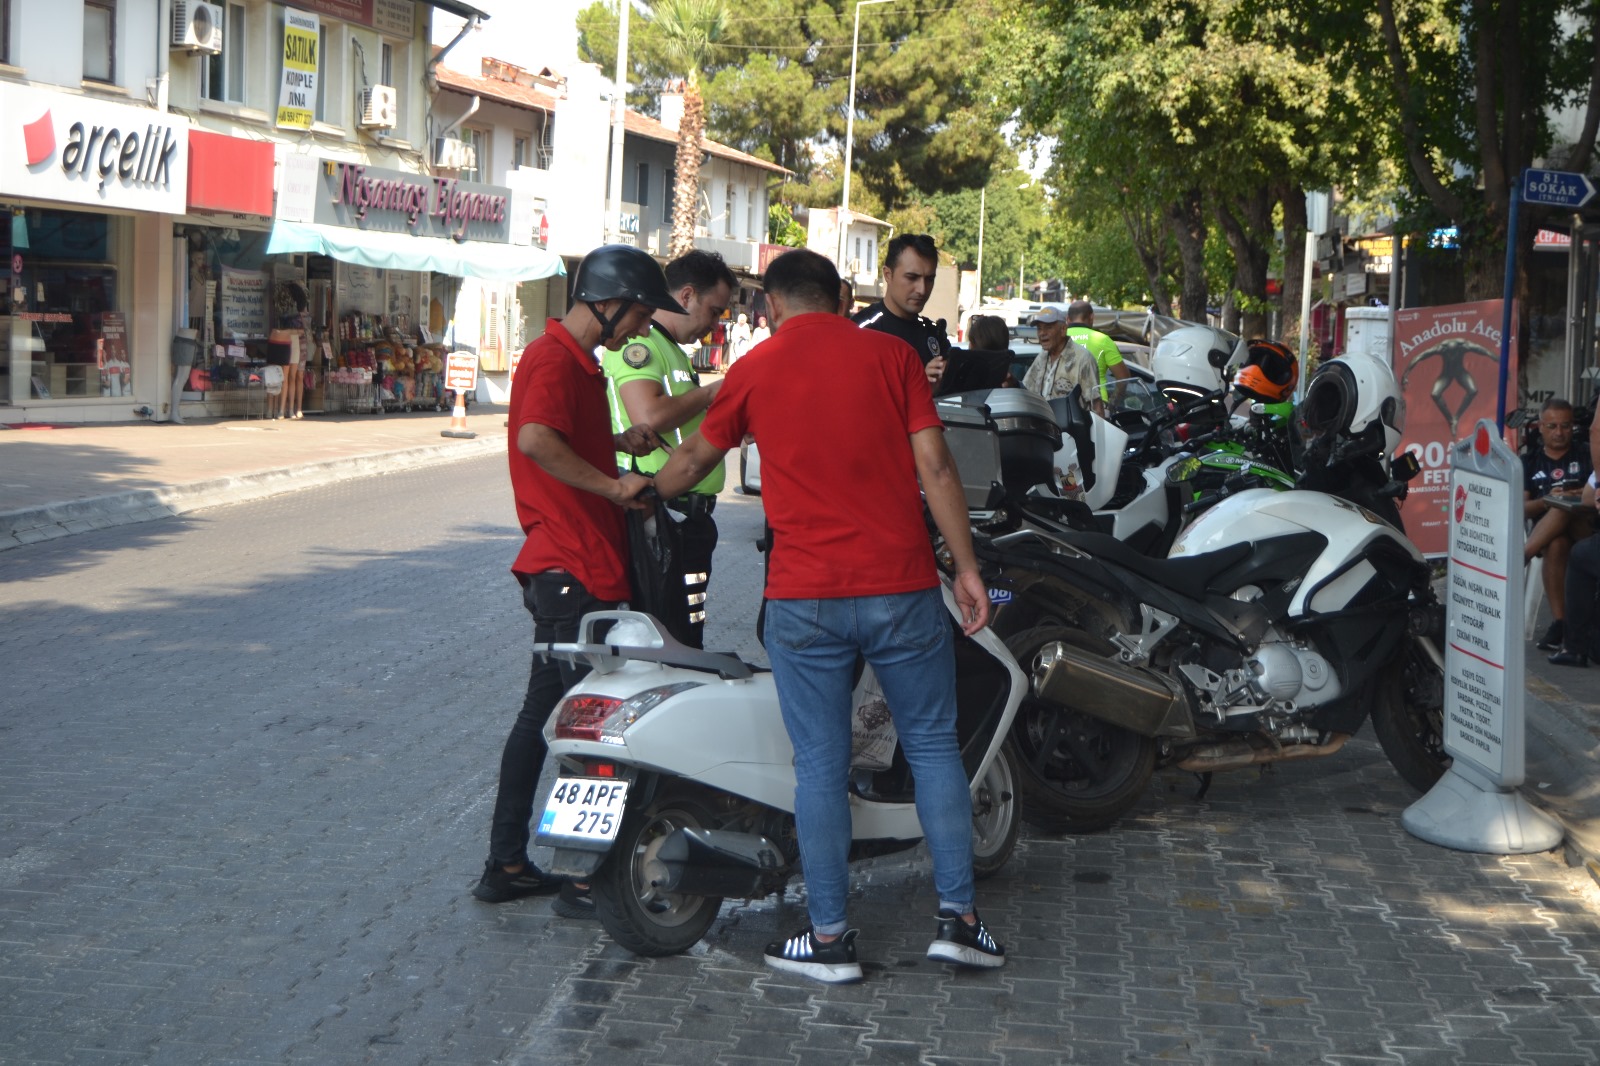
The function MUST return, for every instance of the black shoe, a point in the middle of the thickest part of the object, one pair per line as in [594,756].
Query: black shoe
[966,945]
[833,962]
[574,902]
[498,886]
[1551,641]
[1568,658]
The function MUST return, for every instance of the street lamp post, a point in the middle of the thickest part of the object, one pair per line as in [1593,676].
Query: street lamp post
[983,205]
[850,133]
[619,111]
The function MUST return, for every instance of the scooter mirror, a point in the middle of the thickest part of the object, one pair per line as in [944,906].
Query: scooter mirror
[1183,470]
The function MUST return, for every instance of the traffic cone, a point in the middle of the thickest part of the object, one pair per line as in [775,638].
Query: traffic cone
[458,419]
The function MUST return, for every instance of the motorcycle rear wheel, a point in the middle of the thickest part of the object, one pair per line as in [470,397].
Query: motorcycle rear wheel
[1076,773]
[996,821]
[633,911]
[1408,717]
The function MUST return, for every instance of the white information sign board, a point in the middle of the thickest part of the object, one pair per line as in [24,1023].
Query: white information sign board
[1475,805]
[1477,626]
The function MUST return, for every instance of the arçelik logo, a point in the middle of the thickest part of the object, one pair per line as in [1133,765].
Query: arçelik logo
[39,137]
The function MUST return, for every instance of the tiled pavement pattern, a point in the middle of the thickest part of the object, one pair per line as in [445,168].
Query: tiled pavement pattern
[246,758]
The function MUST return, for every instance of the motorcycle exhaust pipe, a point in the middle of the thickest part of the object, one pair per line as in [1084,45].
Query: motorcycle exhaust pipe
[1145,702]
[1237,754]
[716,862]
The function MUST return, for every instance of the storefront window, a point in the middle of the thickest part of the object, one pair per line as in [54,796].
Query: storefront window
[65,333]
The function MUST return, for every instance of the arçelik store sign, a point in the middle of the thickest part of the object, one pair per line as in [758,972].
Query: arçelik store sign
[76,149]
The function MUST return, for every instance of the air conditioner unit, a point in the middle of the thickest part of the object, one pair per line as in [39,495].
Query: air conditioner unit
[379,108]
[197,27]
[452,153]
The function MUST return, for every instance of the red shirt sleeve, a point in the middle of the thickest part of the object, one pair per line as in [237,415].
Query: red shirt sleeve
[728,415]
[544,393]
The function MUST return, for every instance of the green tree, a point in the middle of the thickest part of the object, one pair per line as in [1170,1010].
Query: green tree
[776,85]
[782,228]
[1198,113]
[1473,94]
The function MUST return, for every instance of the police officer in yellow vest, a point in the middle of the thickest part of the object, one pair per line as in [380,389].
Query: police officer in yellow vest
[652,381]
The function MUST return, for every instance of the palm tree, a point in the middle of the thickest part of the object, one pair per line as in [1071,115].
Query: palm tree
[688,30]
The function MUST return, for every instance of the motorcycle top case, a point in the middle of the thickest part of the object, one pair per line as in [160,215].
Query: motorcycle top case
[1028,433]
[975,445]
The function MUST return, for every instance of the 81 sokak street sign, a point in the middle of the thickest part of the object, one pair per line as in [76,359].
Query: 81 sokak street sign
[1556,188]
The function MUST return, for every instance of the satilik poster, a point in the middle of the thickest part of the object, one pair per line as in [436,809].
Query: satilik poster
[297,99]
[1447,360]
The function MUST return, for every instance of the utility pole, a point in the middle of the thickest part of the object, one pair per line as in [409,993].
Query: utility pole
[619,110]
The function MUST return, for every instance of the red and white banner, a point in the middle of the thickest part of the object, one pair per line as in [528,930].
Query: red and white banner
[1447,360]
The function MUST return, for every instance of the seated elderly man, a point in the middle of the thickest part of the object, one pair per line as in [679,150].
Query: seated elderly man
[1560,466]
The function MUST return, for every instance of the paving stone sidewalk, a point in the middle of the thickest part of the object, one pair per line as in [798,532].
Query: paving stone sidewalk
[69,479]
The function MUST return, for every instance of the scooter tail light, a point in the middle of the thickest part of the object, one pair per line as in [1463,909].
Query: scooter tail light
[606,718]
[581,717]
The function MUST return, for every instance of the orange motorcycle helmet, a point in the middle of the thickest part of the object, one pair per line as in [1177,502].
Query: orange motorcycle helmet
[1269,373]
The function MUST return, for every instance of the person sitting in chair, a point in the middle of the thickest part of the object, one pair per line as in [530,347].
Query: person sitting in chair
[1560,467]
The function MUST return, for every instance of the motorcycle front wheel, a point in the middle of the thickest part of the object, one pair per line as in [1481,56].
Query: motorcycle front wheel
[1076,773]
[996,821]
[631,909]
[1408,717]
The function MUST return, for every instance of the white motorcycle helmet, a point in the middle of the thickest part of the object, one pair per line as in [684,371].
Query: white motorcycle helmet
[1196,360]
[1356,397]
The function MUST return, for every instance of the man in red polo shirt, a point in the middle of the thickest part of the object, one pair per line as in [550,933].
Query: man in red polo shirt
[569,502]
[851,571]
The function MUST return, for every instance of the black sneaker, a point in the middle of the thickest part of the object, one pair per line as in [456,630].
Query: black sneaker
[966,945]
[498,886]
[833,962]
[574,902]
[1551,641]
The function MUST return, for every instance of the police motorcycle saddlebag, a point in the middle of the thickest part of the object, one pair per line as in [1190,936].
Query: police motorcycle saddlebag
[974,443]
[1029,435]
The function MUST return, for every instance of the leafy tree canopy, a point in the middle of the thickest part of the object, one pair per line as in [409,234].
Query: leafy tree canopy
[776,86]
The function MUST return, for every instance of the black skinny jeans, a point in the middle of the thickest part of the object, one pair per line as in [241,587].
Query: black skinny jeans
[558,603]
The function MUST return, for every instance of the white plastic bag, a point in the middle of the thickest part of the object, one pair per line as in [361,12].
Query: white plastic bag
[872,733]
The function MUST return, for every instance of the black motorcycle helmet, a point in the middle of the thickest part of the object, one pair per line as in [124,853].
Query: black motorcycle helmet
[621,272]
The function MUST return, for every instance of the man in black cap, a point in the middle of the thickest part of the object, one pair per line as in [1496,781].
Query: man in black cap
[569,500]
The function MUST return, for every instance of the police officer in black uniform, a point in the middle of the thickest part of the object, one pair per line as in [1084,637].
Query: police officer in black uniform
[909,268]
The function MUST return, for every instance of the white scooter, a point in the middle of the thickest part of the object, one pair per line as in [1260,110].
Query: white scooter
[677,782]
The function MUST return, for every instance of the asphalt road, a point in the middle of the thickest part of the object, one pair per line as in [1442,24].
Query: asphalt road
[246,762]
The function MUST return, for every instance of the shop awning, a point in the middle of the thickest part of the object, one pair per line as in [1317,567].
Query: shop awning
[400,251]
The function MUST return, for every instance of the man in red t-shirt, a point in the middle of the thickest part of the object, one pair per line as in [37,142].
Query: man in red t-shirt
[569,503]
[851,571]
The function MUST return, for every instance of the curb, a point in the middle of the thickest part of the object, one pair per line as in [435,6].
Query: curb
[31,525]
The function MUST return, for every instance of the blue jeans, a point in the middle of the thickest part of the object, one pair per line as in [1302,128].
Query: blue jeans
[812,645]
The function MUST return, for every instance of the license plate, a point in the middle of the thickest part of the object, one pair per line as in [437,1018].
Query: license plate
[583,811]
